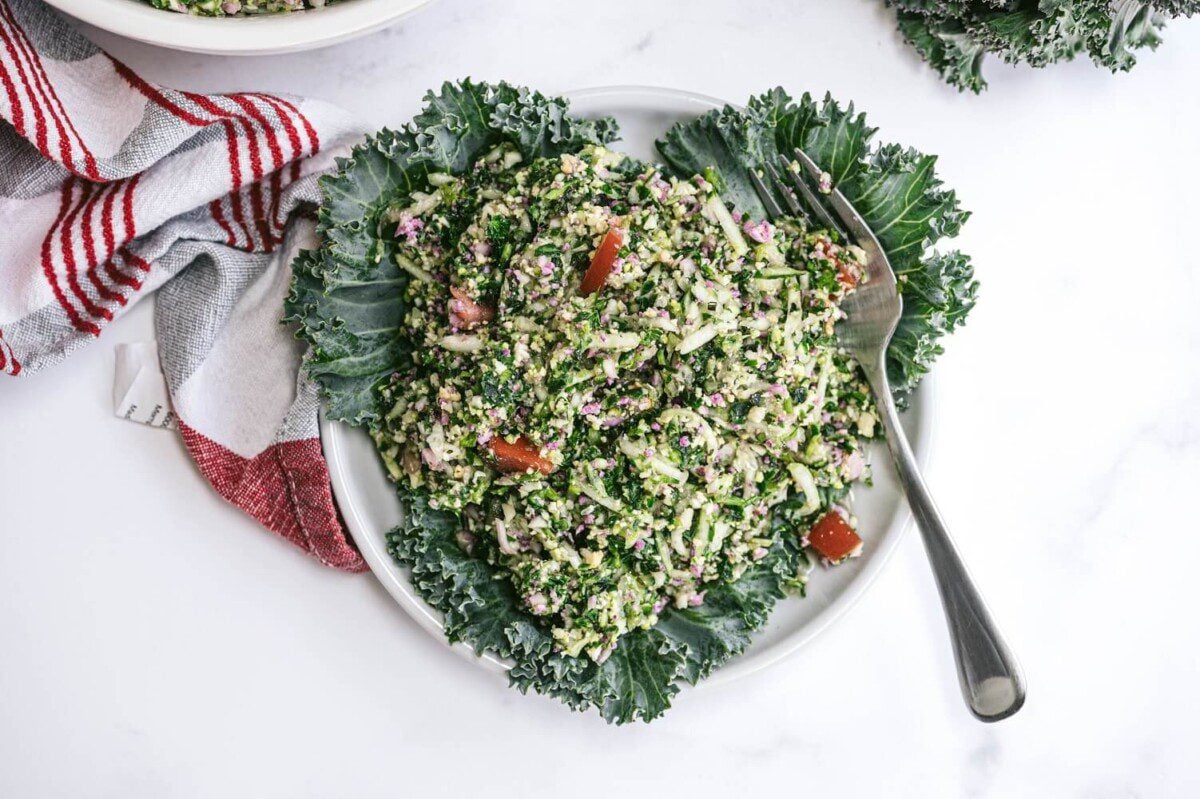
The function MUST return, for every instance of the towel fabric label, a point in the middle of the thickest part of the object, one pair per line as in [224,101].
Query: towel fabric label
[139,390]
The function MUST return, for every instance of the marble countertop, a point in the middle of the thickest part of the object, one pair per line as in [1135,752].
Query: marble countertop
[156,643]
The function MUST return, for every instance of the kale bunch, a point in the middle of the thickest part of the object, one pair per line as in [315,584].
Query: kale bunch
[955,35]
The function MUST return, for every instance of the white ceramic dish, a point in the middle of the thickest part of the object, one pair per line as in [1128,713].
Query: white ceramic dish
[256,35]
[370,508]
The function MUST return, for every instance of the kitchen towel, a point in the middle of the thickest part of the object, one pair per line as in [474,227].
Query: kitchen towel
[113,188]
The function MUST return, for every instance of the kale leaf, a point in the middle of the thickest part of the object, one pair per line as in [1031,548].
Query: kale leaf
[894,188]
[955,35]
[352,323]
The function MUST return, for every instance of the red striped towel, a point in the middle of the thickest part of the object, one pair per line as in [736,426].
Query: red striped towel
[112,188]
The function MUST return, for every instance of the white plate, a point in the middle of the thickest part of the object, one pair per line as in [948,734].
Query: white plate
[370,508]
[256,35]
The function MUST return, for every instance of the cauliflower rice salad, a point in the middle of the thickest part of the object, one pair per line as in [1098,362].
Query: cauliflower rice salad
[616,382]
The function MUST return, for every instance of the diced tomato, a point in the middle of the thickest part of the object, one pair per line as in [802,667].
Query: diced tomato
[603,261]
[519,456]
[846,277]
[833,537]
[465,313]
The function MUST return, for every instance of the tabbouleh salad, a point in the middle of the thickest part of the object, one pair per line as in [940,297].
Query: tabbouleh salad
[617,381]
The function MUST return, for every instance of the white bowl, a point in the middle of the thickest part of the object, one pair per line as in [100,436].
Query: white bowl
[370,508]
[256,35]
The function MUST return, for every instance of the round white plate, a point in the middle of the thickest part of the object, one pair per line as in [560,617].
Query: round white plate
[369,505]
[256,35]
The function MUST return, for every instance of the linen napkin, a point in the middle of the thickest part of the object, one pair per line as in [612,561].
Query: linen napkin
[111,189]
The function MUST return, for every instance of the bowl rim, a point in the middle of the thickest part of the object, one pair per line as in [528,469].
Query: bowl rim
[264,34]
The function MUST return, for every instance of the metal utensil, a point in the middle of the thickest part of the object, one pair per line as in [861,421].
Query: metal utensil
[989,675]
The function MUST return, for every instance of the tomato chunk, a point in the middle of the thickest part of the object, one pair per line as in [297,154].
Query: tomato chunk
[846,276]
[518,456]
[602,261]
[833,537]
[465,313]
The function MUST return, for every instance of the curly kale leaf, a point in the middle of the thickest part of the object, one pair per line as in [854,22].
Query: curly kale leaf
[955,35]
[348,297]
[643,673]
[541,125]
[894,188]
[353,324]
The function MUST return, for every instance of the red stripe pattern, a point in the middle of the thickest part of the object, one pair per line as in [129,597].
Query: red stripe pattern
[92,244]
[44,99]
[8,359]
[16,67]
[50,270]
[87,279]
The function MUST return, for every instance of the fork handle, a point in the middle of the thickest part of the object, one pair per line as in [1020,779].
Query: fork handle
[988,673]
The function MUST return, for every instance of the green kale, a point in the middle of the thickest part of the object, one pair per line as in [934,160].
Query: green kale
[352,323]
[955,35]
[499,230]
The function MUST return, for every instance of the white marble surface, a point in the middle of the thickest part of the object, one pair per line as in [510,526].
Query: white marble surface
[155,643]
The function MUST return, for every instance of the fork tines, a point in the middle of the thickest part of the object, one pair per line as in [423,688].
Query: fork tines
[810,196]
[768,199]
[811,206]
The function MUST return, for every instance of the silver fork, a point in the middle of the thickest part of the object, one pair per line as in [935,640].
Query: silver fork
[988,673]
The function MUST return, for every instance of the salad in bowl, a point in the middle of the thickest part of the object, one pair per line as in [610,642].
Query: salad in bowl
[239,27]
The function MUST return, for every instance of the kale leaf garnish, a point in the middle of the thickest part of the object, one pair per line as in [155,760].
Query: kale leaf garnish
[954,36]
